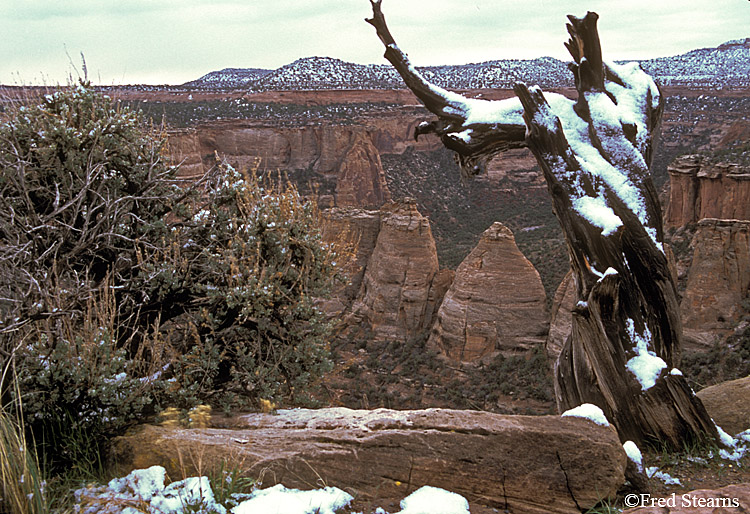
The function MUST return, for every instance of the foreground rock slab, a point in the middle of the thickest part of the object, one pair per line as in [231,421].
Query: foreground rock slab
[732,499]
[525,464]
[728,404]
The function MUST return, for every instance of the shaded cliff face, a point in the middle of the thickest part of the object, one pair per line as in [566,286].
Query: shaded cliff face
[718,281]
[340,162]
[701,189]
[496,304]
[355,231]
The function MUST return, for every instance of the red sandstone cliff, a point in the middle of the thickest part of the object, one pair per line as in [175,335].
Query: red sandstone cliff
[700,189]
[341,161]
[718,281]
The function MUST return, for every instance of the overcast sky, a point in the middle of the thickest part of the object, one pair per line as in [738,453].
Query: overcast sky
[174,41]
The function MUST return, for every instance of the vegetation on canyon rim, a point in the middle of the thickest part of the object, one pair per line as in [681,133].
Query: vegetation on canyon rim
[126,289]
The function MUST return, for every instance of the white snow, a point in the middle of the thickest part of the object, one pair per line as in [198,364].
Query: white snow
[645,365]
[596,211]
[145,488]
[653,472]
[675,371]
[634,454]
[360,419]
[280,500]
[725,438]
[431,500]
[588,411]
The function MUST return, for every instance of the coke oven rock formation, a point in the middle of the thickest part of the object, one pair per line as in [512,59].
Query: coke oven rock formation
[495,304]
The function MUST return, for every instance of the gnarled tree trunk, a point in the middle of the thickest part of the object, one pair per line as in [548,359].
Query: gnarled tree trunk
[595,154]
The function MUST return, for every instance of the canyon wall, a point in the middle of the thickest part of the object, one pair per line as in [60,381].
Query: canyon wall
[341,162]
[700,189]
[718,282]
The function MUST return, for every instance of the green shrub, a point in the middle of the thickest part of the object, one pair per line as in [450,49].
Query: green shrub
[124,289]
[251,263]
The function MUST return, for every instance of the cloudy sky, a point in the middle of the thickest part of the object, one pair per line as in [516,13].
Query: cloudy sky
[174,41]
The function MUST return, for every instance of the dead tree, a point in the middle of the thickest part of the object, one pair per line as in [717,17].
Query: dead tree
[595,154]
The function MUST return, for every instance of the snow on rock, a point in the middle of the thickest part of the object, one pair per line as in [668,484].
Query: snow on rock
[432,500]
[341,416]
[725,438]
[280,500]
[737,447]
[634,454]
[588,411]
[645,365]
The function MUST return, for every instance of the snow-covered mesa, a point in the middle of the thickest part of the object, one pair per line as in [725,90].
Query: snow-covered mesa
[725,66]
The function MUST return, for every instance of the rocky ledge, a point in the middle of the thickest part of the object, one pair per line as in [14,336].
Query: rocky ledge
[522,464]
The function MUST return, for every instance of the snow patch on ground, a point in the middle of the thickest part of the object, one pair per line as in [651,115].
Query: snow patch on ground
[431,500]
[280,500]
[143,490]
[653,472]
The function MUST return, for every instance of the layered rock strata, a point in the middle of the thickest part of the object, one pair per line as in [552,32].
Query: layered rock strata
[707,190]
[718,280]
[341,162]
[523,464]
[396,287]
[496,303]
[355,232]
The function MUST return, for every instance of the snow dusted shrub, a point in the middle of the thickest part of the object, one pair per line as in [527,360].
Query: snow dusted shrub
[253,262]
[77,386]
[84,192]
[123,288]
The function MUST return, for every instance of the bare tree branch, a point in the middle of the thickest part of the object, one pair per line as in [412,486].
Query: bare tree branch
[475,129]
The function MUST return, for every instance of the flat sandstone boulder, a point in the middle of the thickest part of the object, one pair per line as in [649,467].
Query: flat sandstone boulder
[728,404]
[526,464]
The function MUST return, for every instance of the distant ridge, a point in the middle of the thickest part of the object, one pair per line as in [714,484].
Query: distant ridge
[727,65]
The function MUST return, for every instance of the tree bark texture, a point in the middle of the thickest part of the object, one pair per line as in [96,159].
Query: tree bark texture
[595,153]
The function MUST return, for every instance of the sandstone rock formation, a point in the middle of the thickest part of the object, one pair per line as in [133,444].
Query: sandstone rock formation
[702,190]
[718,280]
[496,303]
[339,161]
[361,178]
[356,230]
[728,404]
[523,464]
[395,290]
[703,501]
